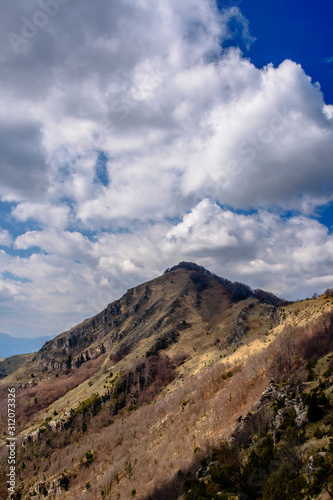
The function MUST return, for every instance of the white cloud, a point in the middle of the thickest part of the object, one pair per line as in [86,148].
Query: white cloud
[46,214]
[182,123]
[74,277]
[167,106]
[254,137]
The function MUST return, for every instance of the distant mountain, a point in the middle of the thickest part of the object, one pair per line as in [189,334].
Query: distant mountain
[11,346]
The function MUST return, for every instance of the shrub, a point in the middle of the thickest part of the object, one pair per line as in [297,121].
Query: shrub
[88,458]
[163,342]
[284,483]
[200,280]
[320,433]
[179,359]
[311,375]
[122,352]
[315,412]
[64,482]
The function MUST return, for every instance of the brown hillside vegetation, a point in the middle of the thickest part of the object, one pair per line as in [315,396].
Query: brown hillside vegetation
[133,402]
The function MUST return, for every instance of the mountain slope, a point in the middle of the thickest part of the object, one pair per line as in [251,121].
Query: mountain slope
[11,364]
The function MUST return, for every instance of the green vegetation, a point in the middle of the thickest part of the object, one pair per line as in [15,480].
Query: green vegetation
[266,471]
[163,342]
[88,458]
[64,481]
[129,389]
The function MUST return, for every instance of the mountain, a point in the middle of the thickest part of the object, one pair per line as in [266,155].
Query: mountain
[156,312]
[12,346]
[188,387]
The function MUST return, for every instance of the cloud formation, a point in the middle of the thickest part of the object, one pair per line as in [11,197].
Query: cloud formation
[132,138]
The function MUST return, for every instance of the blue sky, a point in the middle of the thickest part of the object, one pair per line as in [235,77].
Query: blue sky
[300,30]
[136,134]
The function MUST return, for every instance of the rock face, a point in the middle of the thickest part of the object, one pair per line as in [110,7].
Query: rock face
[240,327]
[272,407]
[48,489]
[90,339]
[82,342]
[300,410]
[286,396]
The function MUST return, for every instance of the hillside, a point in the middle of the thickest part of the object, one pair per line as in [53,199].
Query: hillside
[11,364]
[132,402]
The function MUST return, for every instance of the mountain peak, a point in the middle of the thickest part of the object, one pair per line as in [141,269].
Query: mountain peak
[184,303]
[238,291]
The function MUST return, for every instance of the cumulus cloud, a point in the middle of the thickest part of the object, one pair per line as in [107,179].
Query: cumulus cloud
[265,250]
[165,102]
[182,126]
[46,214]
[253,137]
[72,276]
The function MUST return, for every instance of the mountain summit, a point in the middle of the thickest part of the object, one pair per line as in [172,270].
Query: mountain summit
[187,301]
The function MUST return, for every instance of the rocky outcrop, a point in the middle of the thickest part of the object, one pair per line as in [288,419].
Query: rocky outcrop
[270,394]
[240,327]
[49,489]
[75,346]
[286,396]
[94,336]
[272,407]
[276,316]
[300,411]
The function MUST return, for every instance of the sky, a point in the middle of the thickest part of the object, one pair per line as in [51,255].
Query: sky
[139,133]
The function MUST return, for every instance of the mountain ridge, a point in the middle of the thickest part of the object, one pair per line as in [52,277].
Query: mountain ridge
[237,289]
